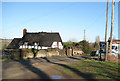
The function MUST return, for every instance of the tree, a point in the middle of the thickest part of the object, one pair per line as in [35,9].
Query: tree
[67,44]
[114,38]
[72,40]
[35,51]
[70,44]
[85,47]
[75,44]
[97,39]
[96,46]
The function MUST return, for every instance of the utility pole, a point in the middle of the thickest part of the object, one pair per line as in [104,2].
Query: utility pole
[106,21]
[84,34]
[106,49]
[113,3]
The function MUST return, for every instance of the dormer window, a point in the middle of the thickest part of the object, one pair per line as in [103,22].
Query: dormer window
[36,44]
[26,43]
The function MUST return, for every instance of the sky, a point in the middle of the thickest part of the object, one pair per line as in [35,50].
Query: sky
[68,18]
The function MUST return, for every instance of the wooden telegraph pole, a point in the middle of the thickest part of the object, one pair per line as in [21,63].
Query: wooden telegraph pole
[106,49]
[106,21]
[113,3]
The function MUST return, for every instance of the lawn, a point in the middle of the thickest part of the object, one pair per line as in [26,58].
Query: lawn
[89,69]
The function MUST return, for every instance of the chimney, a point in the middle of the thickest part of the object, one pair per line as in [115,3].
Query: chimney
[24,31]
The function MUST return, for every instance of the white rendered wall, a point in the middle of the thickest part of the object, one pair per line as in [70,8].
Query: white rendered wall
[32,46]
[20,46]
[39,47]
[29,46]
[60,45]
[54,45]
[45,47]
[23,46]
[36,47]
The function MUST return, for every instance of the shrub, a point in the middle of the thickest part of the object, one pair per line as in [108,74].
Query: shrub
[85,47]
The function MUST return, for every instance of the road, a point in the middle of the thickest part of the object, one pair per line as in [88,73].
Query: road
[41,68]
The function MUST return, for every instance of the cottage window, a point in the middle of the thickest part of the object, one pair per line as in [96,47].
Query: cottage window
[74,52]
[25,43]
[21,46]
[36,47]
[39,47]
[30,46]
[77,53]
[36,44]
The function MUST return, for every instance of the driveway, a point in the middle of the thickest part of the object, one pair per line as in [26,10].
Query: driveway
[43,68]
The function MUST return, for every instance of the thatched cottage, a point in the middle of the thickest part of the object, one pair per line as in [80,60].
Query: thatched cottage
[37,40]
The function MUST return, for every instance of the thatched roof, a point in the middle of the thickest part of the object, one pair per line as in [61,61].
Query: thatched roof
[14,43]
[43,38]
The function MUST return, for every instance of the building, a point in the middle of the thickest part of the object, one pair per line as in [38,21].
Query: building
[73,51]
[77,52]
[37,40]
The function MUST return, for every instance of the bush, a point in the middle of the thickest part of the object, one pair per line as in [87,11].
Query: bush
[93,53]
[67,44]
[96,46]
[70,44]
[85,47]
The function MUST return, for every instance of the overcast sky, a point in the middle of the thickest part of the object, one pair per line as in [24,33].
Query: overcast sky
[68,18]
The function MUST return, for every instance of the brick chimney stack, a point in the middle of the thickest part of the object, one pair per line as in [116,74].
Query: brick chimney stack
[24,31]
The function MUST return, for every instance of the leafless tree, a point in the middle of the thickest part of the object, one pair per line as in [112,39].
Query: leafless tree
[97,39]
[114,38]
[72,40]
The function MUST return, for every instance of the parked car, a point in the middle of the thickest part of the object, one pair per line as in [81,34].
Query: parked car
[98,52]
[115,49]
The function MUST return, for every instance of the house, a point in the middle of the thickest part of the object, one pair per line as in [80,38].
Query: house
[74,51]
[37,40]
[77,51]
